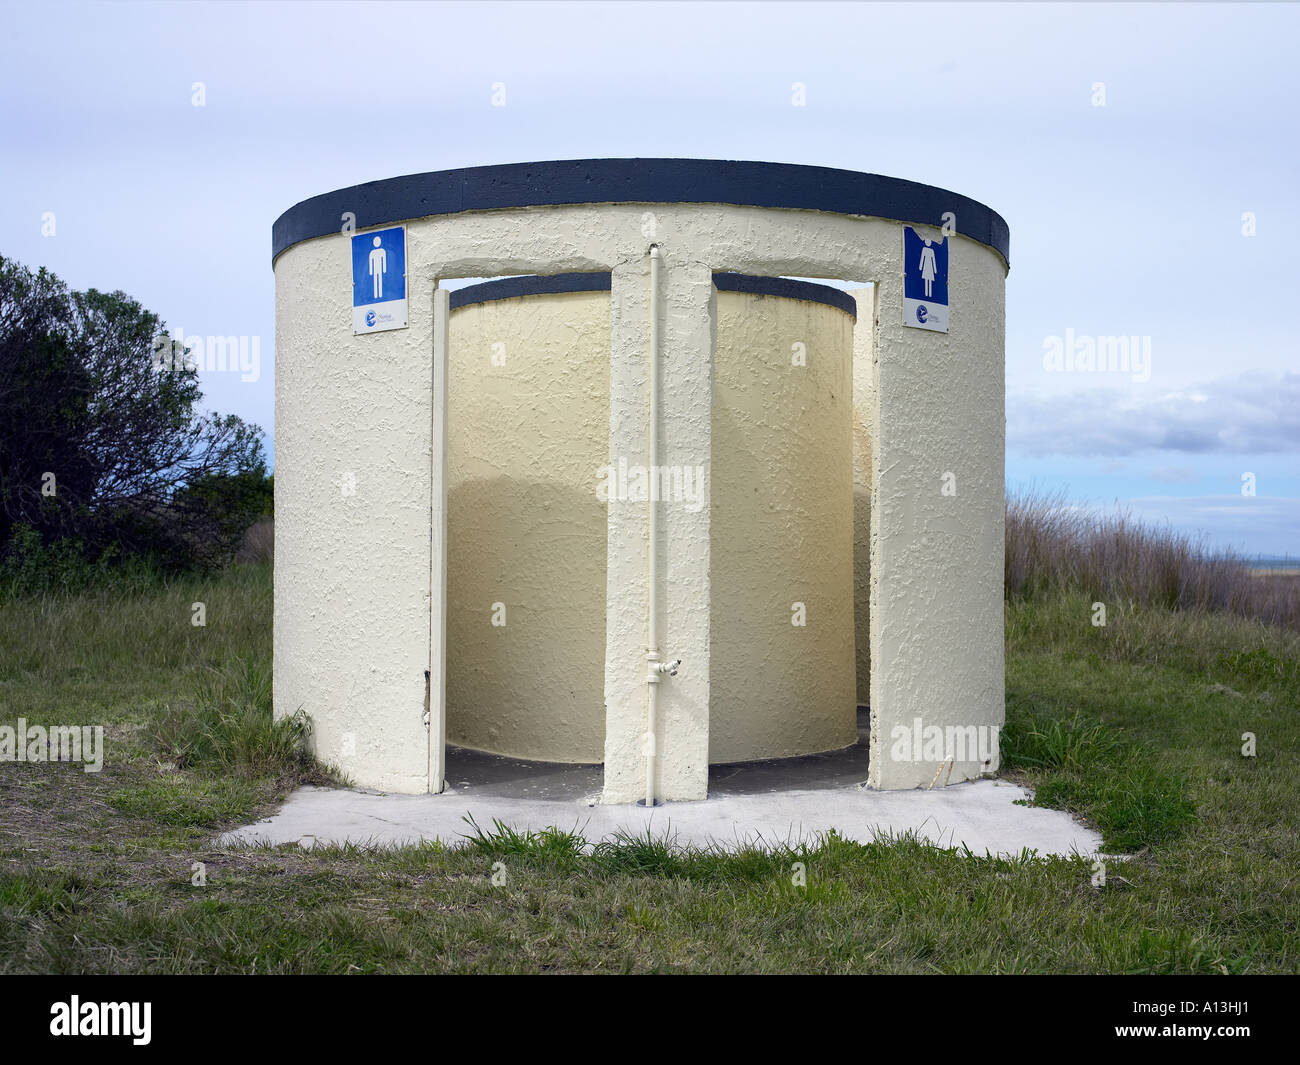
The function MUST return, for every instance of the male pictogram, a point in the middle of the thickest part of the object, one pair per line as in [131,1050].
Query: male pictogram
[379,263]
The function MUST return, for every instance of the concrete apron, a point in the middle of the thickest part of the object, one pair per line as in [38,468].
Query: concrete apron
[981,815]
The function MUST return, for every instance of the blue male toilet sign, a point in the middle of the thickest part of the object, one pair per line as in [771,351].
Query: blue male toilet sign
[925,281]
[379,280]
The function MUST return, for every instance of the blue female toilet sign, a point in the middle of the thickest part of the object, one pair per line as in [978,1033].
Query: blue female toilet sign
[379,280]
[925,281]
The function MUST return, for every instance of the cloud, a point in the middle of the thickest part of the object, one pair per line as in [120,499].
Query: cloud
[1246,414]
[1175,475]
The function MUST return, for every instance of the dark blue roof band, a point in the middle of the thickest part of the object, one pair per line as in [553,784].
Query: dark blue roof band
[578,181]
[508,288]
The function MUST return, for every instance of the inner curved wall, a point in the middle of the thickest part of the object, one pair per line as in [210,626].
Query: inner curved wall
[527,450]
[527,429]
[863,419]
[782,668]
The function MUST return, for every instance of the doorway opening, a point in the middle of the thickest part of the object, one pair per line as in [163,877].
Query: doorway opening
[791,548]
[527,431]
[528,414]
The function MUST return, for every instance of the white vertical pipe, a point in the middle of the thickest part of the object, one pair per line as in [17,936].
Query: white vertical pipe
[652,651]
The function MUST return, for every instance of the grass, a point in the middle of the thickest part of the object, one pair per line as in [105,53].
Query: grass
[1053,547]
[1135,726]
[228,726]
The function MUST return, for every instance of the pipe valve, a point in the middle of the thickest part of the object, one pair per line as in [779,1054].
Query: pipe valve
[655,669]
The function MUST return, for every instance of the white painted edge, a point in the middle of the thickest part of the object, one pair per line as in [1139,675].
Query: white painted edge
[437,708]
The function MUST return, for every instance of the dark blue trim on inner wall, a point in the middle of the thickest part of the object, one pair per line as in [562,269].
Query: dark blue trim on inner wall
[508,288]
[577,181]
[787,288]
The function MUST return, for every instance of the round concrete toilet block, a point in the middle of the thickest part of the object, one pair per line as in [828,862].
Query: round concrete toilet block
[462,547]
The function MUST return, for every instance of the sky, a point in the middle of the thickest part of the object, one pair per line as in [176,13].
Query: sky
[1145,157]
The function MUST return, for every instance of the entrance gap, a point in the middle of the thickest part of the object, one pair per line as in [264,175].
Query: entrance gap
[527,434]
[845,765]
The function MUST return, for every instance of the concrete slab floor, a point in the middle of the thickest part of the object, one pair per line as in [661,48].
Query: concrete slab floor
[477,772]
[768,803]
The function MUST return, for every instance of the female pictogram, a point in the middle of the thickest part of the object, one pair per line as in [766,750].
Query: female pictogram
[927,269]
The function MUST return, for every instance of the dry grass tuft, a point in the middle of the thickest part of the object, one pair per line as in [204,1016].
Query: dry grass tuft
[1053,546]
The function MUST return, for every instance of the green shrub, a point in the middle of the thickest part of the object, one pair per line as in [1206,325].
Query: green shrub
[28,566]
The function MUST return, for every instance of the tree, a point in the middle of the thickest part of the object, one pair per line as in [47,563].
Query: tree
[100,438]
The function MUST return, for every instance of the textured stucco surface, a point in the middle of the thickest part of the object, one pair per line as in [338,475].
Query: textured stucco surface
[936,560]
[782,530]
[352,502]
[525,437]
[525,441]
[352,572]
[687,323]
[863,419]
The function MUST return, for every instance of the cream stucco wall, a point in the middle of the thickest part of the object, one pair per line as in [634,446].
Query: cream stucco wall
[352,611]
[352,497]
[782,528]
[863,419]
[525,437]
